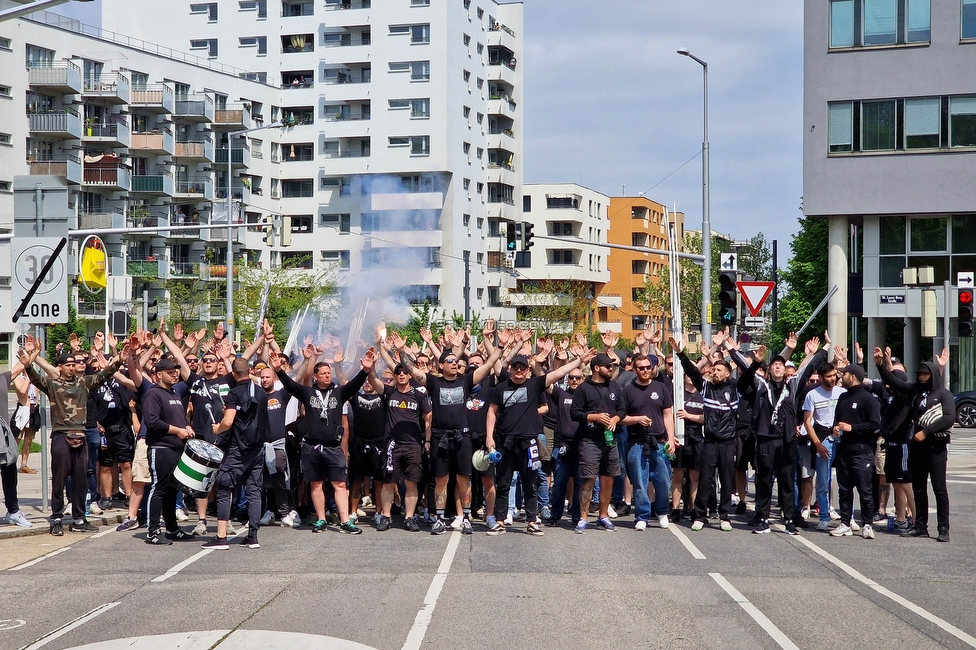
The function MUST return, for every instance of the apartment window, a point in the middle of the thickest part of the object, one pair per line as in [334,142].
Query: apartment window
[420,34]
[878,126]
[262,9]
[340,222]
[562,257]
[480,118]
[420,71]
[5,187]
[39,56]
[466,184]
[962,121]
[209,44]
[481,83]
[420,145]
[481,223]
[466,220]
[297,188]
[260,42]
[4,43]
[466,112]
[466,40]
[871,23]
[481,188]
[420,108]
[968,18]
[840,127]
[4,138]
[481,153]
[481,48]
[5,91]
[481,13]
[399,141]
[527,203]
[466,148]
[419,3]
[209,8]
[396,30]
[466,76]
[467,4]
[922,123]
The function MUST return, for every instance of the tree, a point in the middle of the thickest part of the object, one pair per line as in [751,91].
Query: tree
[806,277]
[556,306]
[291,290]
[61,332]
[756,258]
[185,301]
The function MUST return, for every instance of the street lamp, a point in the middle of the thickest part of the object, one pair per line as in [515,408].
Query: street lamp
[230,231]
[706,218]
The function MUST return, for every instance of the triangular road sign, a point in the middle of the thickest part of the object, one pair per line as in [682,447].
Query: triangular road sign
[754,294]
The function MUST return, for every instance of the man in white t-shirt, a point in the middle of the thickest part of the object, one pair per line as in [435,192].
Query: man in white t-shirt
[818,420]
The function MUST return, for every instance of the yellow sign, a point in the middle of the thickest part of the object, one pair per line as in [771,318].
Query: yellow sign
[93,264]
[709,312]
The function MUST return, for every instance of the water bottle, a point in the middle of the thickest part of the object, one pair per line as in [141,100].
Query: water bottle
[87,504]
[608,437]
[494,456]
[891,523]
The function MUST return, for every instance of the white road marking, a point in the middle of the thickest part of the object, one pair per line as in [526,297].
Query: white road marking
[67,627]
[687,543]
[182,565]
[111,529]
[907,604]
[40,559]
[964,482]
[416,636]
[774,632]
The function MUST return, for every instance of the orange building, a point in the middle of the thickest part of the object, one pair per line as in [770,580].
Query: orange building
[634,221]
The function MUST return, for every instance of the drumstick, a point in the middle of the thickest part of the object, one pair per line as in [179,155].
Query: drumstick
[210,413]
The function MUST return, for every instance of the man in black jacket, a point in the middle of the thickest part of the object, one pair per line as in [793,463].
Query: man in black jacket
[933,412]
[857,419]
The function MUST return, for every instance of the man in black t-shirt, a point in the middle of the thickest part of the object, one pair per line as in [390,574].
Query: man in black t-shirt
[408,414]
[366,423]
[513,427]
[689,451]
[565,452]
[113,411]
[482,395]
[278,481]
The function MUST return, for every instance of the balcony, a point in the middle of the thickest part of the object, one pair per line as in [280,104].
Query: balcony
[501,139]
[503,72]
[60,124]
[115,134]
[234,118]
[297,43]
[347,76]
[200,150]
[57,76]
[157,184]
[501,173]
[142,268]
[198,108]
[158,98]
[346,148]
[611,301]
[503,211]
[157,142]
[501,105]
[91,309]
[107,173]
[296,9]
[240,157]
[63,165]
[238,191]
[143,217]
[110,87]
[610,326]
[500,35]
[200,190]
[332,5]
[100,220]
[182,267]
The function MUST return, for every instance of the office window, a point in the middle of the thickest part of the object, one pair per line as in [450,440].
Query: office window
[873,23]
[892,236]
[968,18]
[918,21]
[928,235]
[880,22]
[878,126]
[962,121]
[922,123]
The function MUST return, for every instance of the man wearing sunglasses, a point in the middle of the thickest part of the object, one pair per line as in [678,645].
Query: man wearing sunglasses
[565,452]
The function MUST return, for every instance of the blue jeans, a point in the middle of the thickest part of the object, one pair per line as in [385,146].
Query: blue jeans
[94,439]
[649,467]
[823,476]
[543,480]
[564,468]
[618,480]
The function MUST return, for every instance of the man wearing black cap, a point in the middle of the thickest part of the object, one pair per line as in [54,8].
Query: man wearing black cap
[513,426]
[857,421]
[598,407]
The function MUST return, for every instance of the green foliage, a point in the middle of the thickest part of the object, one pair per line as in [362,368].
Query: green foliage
[291,291]
[423,315]
[62,331]
[806,277]
[551,305]
[186,299]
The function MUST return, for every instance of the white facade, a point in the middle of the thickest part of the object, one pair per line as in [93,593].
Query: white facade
[402,151]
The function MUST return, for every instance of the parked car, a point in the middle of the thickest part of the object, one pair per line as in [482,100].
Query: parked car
[966,408]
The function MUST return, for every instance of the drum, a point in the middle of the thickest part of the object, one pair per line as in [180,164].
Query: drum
[197,470]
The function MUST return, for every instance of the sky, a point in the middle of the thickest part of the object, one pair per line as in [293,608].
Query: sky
[611,105]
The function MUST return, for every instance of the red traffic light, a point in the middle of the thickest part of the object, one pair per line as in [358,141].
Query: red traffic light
[966,296]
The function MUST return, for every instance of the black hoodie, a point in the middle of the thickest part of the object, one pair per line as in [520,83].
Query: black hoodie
[923,397]
[859,408]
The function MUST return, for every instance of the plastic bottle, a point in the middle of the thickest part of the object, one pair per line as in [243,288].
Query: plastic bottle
[494,456]
[608,437]
[891,523]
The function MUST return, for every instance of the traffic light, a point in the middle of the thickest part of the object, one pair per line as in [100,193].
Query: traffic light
[727,298]
[965,312]
[527,242]
[120,322]
[284,230]
[511,241]
[269,234]
[154,314]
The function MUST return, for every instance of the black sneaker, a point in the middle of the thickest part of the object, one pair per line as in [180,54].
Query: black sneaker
[217,543]
[332,518]
[791,528]
[105,504]
[83,527]
[878,517]
[741,509]
[319,526]
[943,536]
[383,524]
[179,536]
[755,520]
[411,524]
[250,542]
[916,532]
[438,528]
[800,522]
[57,529]
[551,522]
[622,508]
[396,509]
[157,539]
[761,528]
[674,515]
[350,528]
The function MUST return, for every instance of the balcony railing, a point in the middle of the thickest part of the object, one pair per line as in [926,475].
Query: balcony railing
[346,42]
[113,86]
[60,75]
[92,220]
[152,183]
[148,268]
[347,78]
[155,96]
[202,149]
[183,267]
[91,308]
[64,165]
[199,188]
[237,157]
[238,117]
[331,5]
[65,122]
[198,106]
[345,117]
[112,176]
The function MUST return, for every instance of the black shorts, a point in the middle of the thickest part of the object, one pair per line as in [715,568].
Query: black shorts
[402,462]
[745,453]
[366,460]
[597,460]
[690,454]
[119,448]
[323,463]
[456,459]
[896,468]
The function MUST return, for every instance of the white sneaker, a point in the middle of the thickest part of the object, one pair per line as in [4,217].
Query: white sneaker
[842,531]
[456,523]
[291,520]
[94,509]
[855,526]
[231,531]
[805,513]
[823,525]
[510,519]
[640,525]
[267,519]
[367,502]
[19,519]
[867,531]
[360,513]
[663,521]
[611,512]
[698,525]
[181,514]
[199,529]
[726,525]
[833,514]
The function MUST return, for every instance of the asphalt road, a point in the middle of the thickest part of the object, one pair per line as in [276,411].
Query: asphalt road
[660,588]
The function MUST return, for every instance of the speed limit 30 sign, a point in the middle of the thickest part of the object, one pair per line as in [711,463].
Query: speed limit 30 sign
[40,282]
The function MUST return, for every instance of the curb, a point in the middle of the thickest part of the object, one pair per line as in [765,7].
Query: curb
[42,526]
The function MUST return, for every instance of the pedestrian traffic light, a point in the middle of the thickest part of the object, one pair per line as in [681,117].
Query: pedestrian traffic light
[727,298]
[510,237]
[267,224]
[527,235]
[965,324]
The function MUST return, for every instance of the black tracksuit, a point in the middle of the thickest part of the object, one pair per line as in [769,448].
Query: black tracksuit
[854,463]
[160,409]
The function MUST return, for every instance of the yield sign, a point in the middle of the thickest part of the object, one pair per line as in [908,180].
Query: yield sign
[754,294]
